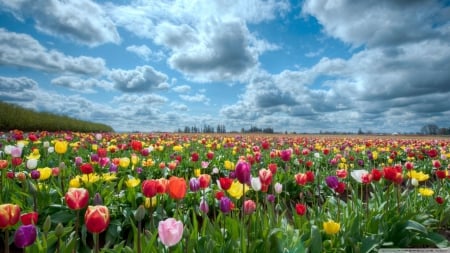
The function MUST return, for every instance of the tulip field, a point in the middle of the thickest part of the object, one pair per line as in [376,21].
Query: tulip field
[170,192]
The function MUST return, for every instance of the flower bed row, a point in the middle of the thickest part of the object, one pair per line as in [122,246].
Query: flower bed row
[76,192]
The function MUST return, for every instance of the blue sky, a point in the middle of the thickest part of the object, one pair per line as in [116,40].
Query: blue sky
[308,66]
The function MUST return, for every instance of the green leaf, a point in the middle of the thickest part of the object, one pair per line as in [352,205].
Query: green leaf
[316,240]
[369,244]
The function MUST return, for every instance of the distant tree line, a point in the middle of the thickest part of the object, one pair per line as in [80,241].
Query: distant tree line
[205,129]
[433,129]
[221,129]
[16,117]
[254,129]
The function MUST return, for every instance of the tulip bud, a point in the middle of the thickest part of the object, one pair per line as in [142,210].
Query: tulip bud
[139,213]
[59,230]
[98,199]
[47,224]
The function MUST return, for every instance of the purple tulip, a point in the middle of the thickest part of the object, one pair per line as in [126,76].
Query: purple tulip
[361,163]
[94,158]
[113,168]
[243,172]
[332,182]
[25,236]
[225,204]
[271,198]
[194,184]
[204,206]
[35,174]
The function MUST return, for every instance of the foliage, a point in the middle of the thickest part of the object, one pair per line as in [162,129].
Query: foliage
[15,117]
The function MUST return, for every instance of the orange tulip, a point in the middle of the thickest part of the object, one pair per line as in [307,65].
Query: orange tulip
[177,187]
[96,218]
[9,215]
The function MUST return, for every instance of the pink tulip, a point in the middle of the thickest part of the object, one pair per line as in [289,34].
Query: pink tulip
[170,231]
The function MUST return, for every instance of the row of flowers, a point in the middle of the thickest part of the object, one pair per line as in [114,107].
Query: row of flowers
[242,193]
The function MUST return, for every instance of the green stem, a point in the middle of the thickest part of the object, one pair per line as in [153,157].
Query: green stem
[139,237]
[6,240]
[96,243]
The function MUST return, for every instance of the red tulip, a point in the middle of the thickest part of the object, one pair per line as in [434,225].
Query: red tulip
[225,183]
[77,198]
[102,152]
[86,168]
[150,188]
[204,180]
[194,157]
[300,209]
[249,206]
[136,145]
[96,218]
[177,187]
[9,215]
[29,218]
[441,174]
[300,178]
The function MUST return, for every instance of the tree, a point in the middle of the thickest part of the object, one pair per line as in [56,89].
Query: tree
[430,129]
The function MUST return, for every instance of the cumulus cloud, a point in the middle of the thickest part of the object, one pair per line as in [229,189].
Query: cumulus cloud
[222,56]
[199,98]
[147,99]
[182,88]
[76,83]
[83,21]
[379,23]
[22,50]
[17,89]
[201,45]
[145,52]
[142,78]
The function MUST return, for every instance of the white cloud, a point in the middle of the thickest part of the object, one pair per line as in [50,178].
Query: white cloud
[142,78]
[76,83]
[145,52]
[378,23]
[22,50]
[199,98]
[83,21]
[182,88]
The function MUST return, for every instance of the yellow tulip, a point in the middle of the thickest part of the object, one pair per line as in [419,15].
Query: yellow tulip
[109,176]
[124,162]
[75,182]
[197,172]
[134,159]
[426,192]
[375,155]
[150,202]
[94,147]
[61,147]
[178,148]
[419,176]
[45,173]
[229,165]
[237,189]
[90,178]
[132,182]
[331,227]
